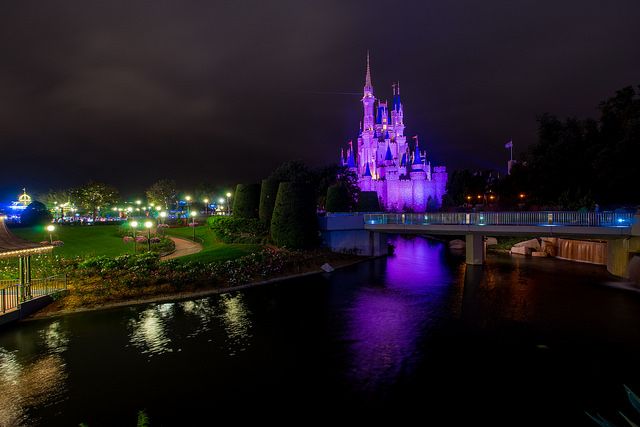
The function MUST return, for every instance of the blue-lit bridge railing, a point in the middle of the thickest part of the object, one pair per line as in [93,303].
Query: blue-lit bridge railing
[540,218]
[12,294]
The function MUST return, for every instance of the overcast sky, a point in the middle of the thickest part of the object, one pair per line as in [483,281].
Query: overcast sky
[223,91]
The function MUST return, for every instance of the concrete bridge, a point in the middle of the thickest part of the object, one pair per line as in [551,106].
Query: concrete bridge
[365,233]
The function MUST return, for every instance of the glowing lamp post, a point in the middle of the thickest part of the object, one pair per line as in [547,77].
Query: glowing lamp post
[221,202]
[148,225]
[206,206]
[134,225]
[193,224]
[228,205]
[51,228]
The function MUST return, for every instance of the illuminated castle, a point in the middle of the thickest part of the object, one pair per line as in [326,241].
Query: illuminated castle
[384,162]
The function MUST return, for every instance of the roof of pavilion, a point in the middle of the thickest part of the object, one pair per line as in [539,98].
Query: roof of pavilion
[13,246]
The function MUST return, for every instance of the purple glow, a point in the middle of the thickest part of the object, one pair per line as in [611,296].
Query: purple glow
[410,184]
[386,323]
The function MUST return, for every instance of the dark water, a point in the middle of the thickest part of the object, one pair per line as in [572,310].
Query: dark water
[517,342]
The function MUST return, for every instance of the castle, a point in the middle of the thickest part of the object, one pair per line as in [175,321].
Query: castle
[386,163]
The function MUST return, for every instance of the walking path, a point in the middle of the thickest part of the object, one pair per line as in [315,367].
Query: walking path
[183,247]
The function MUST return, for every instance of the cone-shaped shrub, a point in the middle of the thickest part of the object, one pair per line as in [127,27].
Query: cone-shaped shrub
[294,222]
[368,202]
[246,201]
[268,193]
[338,199]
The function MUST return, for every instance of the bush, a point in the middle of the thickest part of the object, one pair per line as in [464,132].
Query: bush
[369,202]
[238,230]
[268,194]
[246,201]
[294,222]
[338,199]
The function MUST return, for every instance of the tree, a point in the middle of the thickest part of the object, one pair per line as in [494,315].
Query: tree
[164,193]
[94,196]
[327,176]
[338,199]
[246,201]
[35,214]
[268,193]
[294,222]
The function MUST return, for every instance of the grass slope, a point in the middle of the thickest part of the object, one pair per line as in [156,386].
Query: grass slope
[80,240]
[212,249]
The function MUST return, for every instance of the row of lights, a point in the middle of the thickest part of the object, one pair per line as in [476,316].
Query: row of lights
[492,197]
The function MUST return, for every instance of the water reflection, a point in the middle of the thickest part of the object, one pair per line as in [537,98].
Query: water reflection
[386,321]
[149,329]
[237,323]
[29,384]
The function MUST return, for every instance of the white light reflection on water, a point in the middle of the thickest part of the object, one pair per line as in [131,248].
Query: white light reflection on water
[55,337]
[237,323]
[149,329]
[203,311]
[29,384]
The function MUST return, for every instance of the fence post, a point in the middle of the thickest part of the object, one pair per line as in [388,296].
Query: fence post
[4,295]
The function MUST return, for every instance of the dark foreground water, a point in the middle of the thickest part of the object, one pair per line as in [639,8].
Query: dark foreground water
[418,335]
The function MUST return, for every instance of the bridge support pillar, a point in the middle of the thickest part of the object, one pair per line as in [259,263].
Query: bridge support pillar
[475,249]
[619,253]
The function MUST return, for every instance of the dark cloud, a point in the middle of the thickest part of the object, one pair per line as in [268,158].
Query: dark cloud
[222,91]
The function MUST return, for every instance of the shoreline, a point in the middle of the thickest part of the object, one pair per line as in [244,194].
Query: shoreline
[184,296]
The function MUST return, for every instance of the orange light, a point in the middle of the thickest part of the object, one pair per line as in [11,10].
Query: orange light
[491,197]
[479,196]
[521,195]
[468,197]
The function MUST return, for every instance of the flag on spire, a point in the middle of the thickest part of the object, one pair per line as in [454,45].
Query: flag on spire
[509,144]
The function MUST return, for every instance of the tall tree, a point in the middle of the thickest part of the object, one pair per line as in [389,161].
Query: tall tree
[94,196]
[163,192]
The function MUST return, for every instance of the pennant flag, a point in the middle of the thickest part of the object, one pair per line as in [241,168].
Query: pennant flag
[508,144]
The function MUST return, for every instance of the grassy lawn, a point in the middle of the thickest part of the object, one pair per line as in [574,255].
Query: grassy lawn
[80,240]
[212,249]
[104,240]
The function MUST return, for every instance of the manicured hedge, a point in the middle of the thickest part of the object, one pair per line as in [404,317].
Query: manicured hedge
[294,222]
[246,201]
[368,202]
[268,193]
[230,229]
[338,199]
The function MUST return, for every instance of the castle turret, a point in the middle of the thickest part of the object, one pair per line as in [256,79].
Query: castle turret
[368,99]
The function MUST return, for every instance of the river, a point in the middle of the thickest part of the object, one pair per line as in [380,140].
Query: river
[520,341]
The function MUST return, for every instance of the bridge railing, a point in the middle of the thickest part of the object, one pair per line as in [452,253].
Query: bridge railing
[12,294]
[539,218]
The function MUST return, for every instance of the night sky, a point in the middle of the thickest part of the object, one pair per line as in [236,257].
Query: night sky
[223,91]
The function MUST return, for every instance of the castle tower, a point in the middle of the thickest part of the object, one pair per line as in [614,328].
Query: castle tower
[368,100]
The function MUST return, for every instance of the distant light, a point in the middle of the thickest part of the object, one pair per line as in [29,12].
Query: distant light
[521,195]
[138,202]
[148,224]
[228,194]
[479,196]
[163,214]
[187,198]
[134,224]
[221,200]
[51,228]
[194,213]
[206,200]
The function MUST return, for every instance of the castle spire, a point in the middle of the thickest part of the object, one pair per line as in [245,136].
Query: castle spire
[368,87]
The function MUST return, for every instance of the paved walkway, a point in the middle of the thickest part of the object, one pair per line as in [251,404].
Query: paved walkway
[183,247]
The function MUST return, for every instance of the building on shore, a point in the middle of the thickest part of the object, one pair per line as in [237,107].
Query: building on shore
[385,162]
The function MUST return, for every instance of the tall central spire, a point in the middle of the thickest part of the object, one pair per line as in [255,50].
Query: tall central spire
[368,87]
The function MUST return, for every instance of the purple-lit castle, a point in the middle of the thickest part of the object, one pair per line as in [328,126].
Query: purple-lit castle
[385,162]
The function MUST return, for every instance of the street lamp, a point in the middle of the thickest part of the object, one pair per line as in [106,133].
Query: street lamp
[228,205]
[206,205]
[148,225]
[50,229]
[221,202]
[134,225]
[193,224]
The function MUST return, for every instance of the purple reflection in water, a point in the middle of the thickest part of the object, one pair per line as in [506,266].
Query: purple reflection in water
[385,322]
